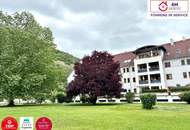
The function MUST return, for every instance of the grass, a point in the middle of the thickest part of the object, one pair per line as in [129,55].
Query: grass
[107,116]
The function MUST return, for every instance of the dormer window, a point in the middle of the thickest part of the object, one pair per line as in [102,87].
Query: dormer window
[127,61]
[178,52]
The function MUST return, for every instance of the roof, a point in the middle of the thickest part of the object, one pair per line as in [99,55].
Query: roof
[125,59]
[148,48]
[179,49]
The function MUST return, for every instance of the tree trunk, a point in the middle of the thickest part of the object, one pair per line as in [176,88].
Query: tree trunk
[11,103]
[93,100]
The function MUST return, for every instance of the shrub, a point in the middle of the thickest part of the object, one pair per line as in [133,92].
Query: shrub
[148,100]
[130,97]
[60,98]
[53,99]
[40,98]
[179,89]
[185,97]
[68,99]
[84,99]
[154,90]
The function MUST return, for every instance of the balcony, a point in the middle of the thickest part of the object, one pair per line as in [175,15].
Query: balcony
[143,79]
[154,66]
[155,78]
[143,82]
[142,68]
[155,81]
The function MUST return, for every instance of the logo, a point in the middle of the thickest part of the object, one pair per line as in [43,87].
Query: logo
[168,9]
[9,123]
[163,6]
[26,123]
[43,123]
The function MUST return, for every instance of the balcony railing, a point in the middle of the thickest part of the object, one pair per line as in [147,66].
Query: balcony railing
[155,81]
[142,70]
[143,82]
[154,69]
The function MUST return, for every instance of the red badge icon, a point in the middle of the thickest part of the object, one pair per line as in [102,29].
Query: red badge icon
[9,123]
[43,123]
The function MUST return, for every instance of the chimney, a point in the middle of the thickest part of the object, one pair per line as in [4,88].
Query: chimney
[172,42]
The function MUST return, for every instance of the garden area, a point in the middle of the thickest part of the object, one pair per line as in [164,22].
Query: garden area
[107,116]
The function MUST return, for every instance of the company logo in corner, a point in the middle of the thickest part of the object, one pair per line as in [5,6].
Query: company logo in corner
[167,9]
[26,123]
[163,6]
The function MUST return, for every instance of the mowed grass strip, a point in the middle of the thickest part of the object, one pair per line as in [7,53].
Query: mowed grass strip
[107,116]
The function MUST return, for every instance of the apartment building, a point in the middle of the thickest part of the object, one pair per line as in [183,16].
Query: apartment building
[155,66]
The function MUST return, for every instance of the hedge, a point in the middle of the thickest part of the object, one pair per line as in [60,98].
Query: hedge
[148,100]
[185,97]
[62,98]
[155,91]
[179,89]
[130,97]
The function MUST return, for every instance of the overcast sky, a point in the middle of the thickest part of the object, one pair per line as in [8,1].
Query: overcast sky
[80,26]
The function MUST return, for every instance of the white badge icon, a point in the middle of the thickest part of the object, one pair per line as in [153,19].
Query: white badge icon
[26,123]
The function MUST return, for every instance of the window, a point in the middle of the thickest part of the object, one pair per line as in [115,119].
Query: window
[128,80]
[182,62]
[135,90]
[188,61]
[134,80]
[127,69]
[125,80]
[167,64]
[123,90]
[124,70]
[178,52]
[133,69]
[169,76]
[184,75]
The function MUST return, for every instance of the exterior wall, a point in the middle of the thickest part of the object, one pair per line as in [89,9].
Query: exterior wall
[148,73]
[131,74]
[71,77]
[177,70]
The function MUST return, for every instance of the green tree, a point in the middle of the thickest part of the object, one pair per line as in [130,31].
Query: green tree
[62,72]
[27,58]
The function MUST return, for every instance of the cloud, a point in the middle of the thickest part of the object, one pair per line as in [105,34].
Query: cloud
[85,25]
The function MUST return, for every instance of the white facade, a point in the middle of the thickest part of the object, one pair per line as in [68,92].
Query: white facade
[71,77]
[152,73]
[177,70]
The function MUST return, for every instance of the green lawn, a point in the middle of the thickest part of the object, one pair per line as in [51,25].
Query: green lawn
[108,117]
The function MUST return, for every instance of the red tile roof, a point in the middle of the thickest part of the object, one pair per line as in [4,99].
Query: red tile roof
[125,59]
[182,47]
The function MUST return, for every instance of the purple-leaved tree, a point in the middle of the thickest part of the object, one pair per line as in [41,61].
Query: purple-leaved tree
[96,75]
